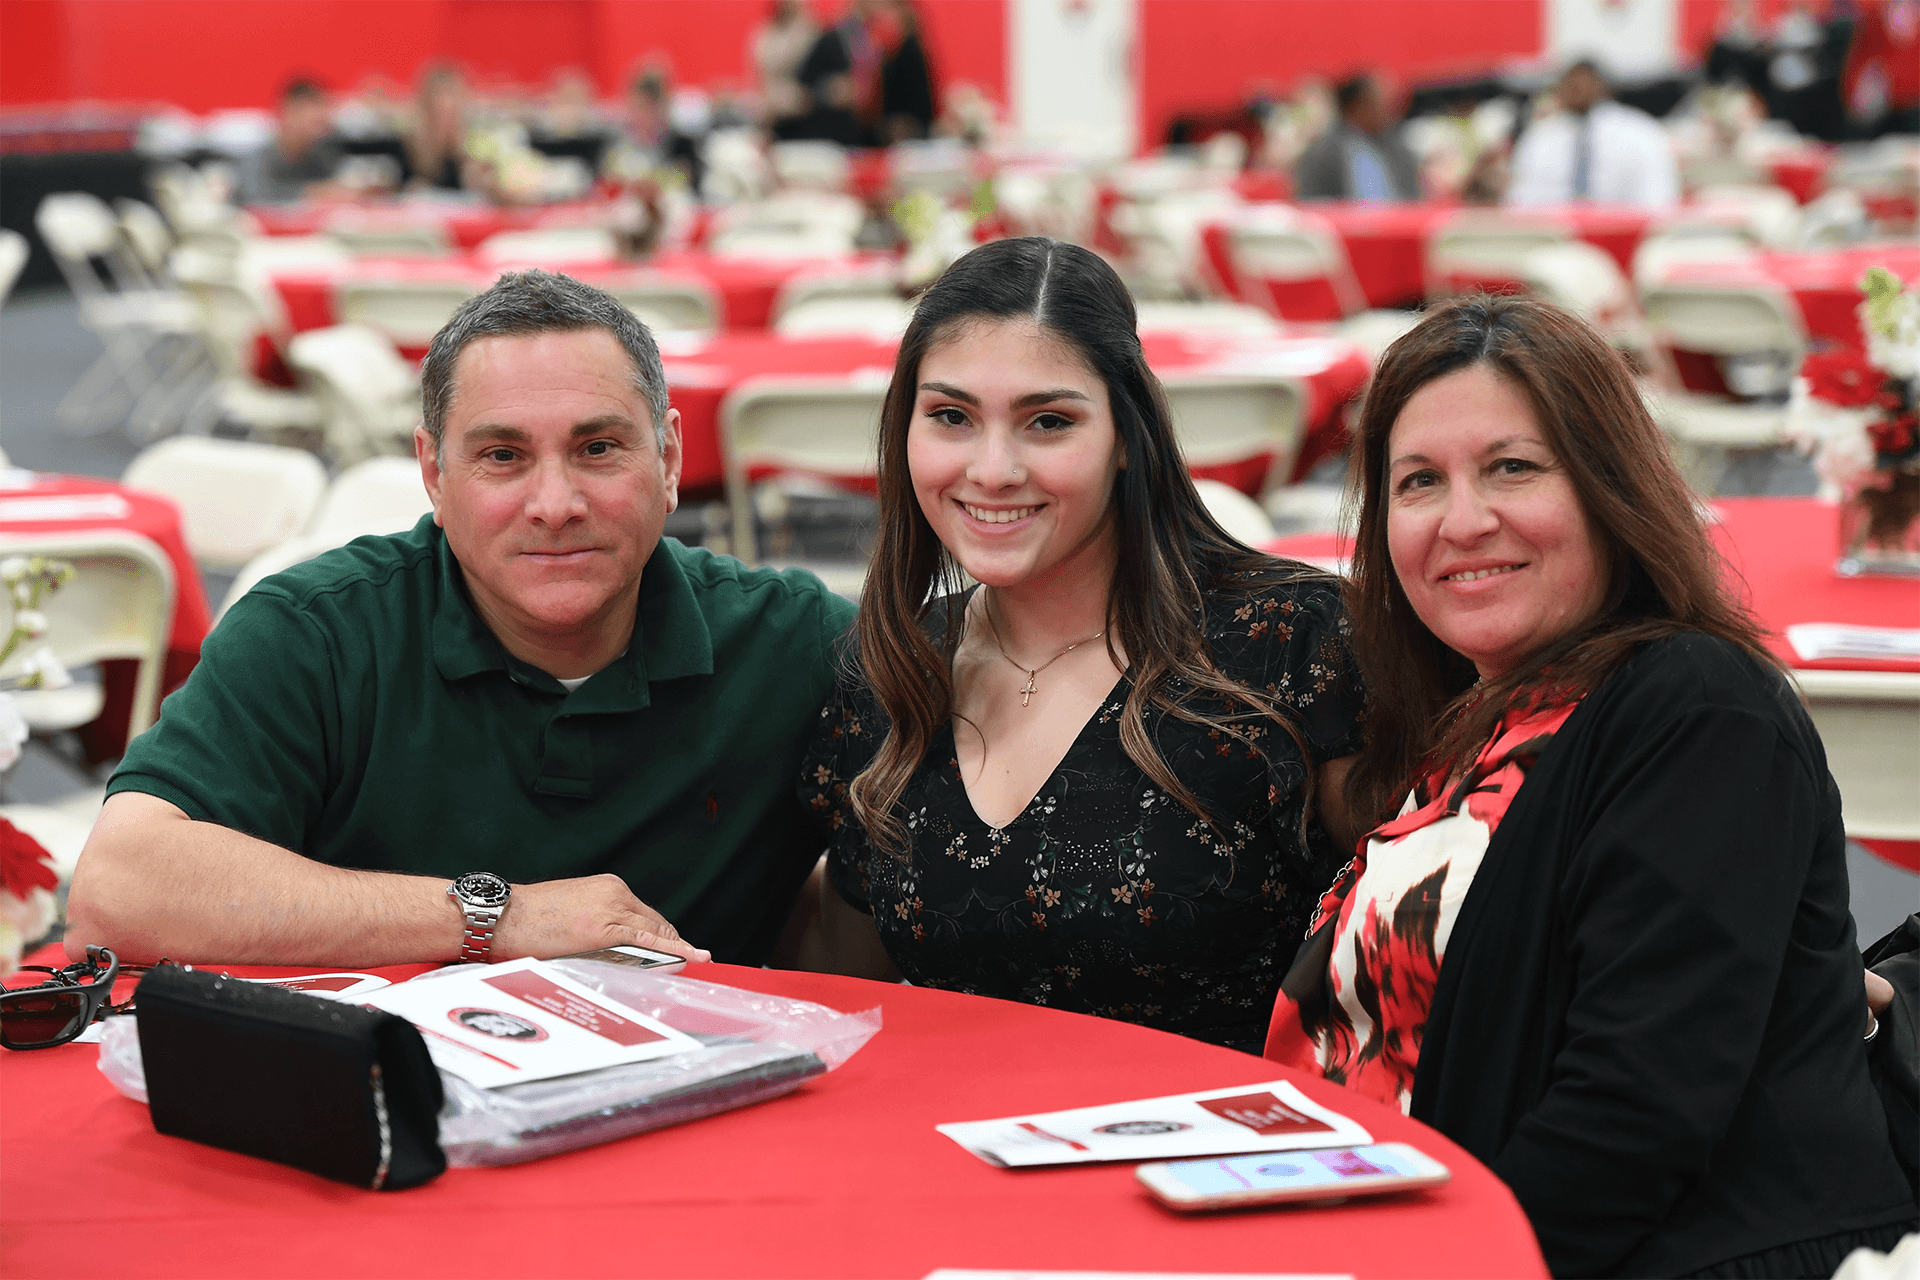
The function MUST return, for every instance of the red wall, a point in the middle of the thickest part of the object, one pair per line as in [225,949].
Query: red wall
[1210,54]
[207,54]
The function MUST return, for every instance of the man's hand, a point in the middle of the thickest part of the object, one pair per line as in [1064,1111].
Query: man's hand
[559,917]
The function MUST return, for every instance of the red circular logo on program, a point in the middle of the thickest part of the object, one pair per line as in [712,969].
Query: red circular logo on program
[501,1026]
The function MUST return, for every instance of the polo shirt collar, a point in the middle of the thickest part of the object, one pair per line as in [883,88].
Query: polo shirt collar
[670,637]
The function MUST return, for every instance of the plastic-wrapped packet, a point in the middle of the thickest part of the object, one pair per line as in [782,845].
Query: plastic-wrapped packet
[754,1047]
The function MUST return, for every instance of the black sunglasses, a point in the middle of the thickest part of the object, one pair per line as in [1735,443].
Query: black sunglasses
[66,1004]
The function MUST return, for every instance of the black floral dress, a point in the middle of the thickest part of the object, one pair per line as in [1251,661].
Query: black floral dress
[1106,895]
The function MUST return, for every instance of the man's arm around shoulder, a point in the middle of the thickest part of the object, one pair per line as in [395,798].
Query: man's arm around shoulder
[153,882]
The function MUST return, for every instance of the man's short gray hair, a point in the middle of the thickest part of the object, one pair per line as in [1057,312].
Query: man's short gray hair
[522,303]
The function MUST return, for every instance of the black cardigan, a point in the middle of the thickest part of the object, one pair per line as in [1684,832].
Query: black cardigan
[1648,1019]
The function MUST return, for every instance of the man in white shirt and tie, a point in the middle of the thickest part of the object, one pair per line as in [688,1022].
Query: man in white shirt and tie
[1593,148]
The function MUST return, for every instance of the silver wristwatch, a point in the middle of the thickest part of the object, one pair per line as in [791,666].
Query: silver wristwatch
[482,897]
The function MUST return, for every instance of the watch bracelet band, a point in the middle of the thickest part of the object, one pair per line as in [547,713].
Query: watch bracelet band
[476,935]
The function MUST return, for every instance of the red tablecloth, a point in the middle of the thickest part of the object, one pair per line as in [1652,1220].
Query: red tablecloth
[466,224]
[1826,284]
[745,287]
[699,377]
[153,517]
[845,1178]
[1387,242]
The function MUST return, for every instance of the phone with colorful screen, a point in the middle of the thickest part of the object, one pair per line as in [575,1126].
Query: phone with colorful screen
[1236,1182]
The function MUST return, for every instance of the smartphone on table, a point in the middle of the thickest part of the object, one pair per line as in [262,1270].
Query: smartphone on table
[633,958]
[1280,1177]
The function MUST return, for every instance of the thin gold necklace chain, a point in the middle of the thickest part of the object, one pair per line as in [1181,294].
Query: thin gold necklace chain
[1027,691]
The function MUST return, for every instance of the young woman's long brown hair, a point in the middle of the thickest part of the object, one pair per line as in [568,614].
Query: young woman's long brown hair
[1424,709]
[1172,554]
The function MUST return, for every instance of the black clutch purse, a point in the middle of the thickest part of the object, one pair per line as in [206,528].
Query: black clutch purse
[336,1089]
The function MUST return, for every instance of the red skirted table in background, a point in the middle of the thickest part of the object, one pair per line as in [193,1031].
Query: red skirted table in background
[1825,284]
[1387,243]
[101,504]
[746,287]
[845,1177]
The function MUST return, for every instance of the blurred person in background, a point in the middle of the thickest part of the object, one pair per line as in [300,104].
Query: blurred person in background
[906,80]
[302,160]
[779,45]
[1593,148]
[1361,156]
[841,75]
[435,149]
[651,138]
[1882,81]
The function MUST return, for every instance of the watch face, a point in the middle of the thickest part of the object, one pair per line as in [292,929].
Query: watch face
[482,888]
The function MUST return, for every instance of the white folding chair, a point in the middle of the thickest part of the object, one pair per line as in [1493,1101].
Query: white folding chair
[1481,248]
[780,243]
[793,212]
[1204,317]
[1769,214]
[1300,253]
[940,166]
[817,166]
[236,497]
[236,313]
[284,555]
[1235,512]
[1755,331]
[13,259]
[147,236]
[119,605]
[380,495]
[667,303]
[1869,722]
[369,396]
[820,427]
[1294,264]
[382,240]
[549,246]
[879,280]
[151,336]
[409,312]
[1221,420]
[874,317]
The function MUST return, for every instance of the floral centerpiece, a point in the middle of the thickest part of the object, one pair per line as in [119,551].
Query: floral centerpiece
[28,880]
[1855,413]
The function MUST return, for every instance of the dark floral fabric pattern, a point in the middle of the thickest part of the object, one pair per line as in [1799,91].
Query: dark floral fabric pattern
[1106,895]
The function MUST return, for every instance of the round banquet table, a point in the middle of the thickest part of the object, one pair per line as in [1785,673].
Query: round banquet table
[845,1177]
[1387,242]
[39,503]
[745,287]
[1825,285]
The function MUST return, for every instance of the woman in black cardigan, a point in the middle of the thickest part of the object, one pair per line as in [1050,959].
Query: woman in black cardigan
[1622,838]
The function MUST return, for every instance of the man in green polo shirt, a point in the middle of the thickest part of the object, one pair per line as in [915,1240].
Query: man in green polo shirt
[532,683]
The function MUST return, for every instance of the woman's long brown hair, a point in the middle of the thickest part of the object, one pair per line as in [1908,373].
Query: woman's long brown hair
[1172,553]
[1424,710]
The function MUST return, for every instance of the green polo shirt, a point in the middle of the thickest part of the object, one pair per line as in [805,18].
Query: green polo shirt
[356,710]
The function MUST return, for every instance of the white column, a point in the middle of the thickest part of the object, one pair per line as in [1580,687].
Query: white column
[1073,74]
[1628,38]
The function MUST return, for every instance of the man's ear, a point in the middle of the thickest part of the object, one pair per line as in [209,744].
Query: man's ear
[429,457]
[670,459]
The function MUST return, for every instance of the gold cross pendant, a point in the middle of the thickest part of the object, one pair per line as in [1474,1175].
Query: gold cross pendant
[1029,691]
